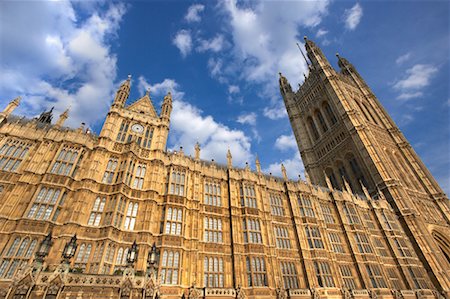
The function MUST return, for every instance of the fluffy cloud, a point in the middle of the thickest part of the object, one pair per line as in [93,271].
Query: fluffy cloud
[416,79]
[214,138]
[285,143]
[249,119]
[353,16]
[403,58]
[321,32]
[233,89]
[294,167]
[215,44]
[193,13]
[275,112]
[52,57]
[183,41]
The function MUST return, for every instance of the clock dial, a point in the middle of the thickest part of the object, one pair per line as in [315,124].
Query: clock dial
[137,128]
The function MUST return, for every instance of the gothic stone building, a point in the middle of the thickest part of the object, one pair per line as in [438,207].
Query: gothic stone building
[118,216]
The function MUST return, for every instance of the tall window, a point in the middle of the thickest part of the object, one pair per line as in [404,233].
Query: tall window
[97,258]
[248,196]
[129,172]
[312,128]
[120,212]
[121,259]
[65,161]
[305,204]
[322,122]
[213,272]
[110,171]
[276,204]
[336,243]
[327,214]
[213,230]
[418,277]
[123,131]
[256,272]
[213,194]
[109,258]
[350,213]
[130,219]
[252,231]
[390,222]
[44,204]
[139,176]
[18,254]
[380,247]
[148,137]
[97,211]
[363,243]
[393,278]
[12,154]
[289,273]
[375,276]
[357,171]
[174,220]
[313,237]
[368,220]
[323,274]
[347,276]
[402,247]
[170,267]
[177,183]
[329,113]
[282,236]
[83,256]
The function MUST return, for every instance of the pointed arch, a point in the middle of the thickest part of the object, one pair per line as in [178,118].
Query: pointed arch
[443,243]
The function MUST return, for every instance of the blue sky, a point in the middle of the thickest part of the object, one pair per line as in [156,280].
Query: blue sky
[221,62]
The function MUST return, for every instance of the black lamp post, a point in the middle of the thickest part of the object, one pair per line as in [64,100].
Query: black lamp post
[42,251]
[70,249]
[132,253]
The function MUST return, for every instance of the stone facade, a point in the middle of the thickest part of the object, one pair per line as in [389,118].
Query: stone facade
[118,216]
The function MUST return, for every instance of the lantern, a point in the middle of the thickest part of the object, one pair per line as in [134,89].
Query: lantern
[132,253]
[44,247]
[70,248]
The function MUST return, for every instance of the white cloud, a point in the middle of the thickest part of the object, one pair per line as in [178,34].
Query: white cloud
[353,16]
[233,89]
[321,32]
[193,13]
[249,119]
[285,143]
[214,138]
[403,58]
[417,77]
[294,167]
[276,112]
[410,95]
[52,58]
[183,41]
[215,44]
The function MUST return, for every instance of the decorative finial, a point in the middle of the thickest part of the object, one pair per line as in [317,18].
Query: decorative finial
[229,159]
[337,55]
[305,38]
[148,91]
[283,171]
[129,77]
[327,181]
[197,150]
[258,164]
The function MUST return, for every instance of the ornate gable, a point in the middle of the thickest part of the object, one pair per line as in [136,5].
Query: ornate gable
[143,105]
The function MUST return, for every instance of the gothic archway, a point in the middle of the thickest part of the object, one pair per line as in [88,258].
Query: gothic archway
[443,243]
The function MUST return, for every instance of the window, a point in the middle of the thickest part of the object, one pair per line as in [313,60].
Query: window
[389,220]
[380,247]
[282,236]
[289,274]
[336,243]
[44,204]
[19,253]
[110,171]
[305,204]
[327,214]
[402,247]
[375,276]
[213,194]
[177,183]
[329,113]
[248,196]
[96,259]
[347,276]
[276,204]
[82,258]
[139,176]
[322,122]
[213,230]
[363,243]
[148,137]
[312,128]
[130,219]
[323,274]
[350,213]
[368,220]
[12,154]
[130,171]
[174,220]
[252,231]
[169,267]
[65,160]
[109,259]
[357,171]
[393,278]
[97,211]
[313,237]
[256,272]
[418,278]
[213,272]
[123,131]
[121,259]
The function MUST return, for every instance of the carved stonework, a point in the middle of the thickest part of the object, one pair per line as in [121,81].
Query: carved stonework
[194,292]
[281,293]
[240,294]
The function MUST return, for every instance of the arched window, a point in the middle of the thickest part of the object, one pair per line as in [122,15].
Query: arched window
[322,122]
[83,256]
[174,221]
[312,127]
[44,204]
[16,256]
[12,154]
[130,219]
[213,272]
[97,211]
[329,113]
[372,115]
[169,267]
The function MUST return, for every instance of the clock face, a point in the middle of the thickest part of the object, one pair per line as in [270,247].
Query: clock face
[137,128]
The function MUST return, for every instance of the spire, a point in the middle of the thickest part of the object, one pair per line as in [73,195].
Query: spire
[10,107]
[166,107]
[283,171]
[197,151]
[258,164]
[364,189]
[347,185]
[229,159]
[46,116]
[285,87]
[62,118]
[327,180]
[315,55]
[123,92]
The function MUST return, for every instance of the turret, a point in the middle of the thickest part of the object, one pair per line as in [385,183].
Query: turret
[318,60]
[122,93]
[9,109]
[229,159]
[62,118]
[46,117]
[166,107]
[285,87]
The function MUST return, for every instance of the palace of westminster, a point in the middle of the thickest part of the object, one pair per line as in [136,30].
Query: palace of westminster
[118,216]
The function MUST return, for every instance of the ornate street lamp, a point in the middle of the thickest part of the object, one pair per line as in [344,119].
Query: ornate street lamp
[42,251]
[132,253]
[152,255]
[70,249]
